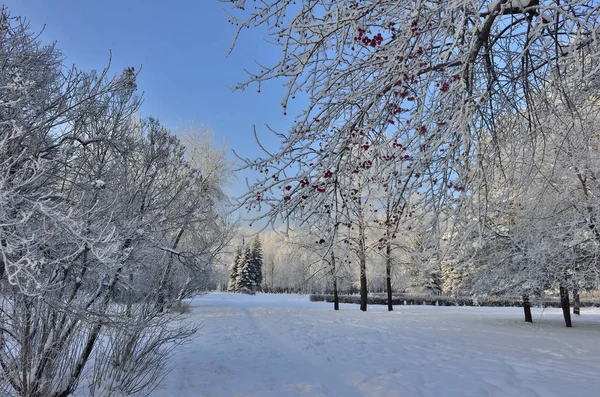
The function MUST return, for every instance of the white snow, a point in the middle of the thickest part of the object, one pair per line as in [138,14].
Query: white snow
[98,184]
[547,17]
[492,6]
[283,345]
[513,4]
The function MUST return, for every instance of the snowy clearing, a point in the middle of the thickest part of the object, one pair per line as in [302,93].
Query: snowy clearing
[284,345]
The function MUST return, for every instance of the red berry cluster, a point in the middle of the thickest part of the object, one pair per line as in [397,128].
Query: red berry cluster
[368,41]
[458,188]
[366,164]
[414,26]
[444,87]
[401,94]
[395,109]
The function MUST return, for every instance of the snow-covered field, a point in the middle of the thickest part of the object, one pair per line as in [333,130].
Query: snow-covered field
[284,345]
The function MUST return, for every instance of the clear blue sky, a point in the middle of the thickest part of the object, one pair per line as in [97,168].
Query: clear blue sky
[181,46]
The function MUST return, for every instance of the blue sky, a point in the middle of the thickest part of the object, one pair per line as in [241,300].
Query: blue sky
[182,48]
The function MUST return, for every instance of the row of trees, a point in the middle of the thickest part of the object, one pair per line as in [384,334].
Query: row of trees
[106,220]
[294,263]
[468,125]
[245,273]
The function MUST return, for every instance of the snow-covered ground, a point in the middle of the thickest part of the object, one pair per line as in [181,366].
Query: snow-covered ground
[284,345]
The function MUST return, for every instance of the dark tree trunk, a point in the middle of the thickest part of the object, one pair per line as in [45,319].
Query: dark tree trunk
[363,282]
[527,309]
[129,296]
[388,275]
[564,303]
[576,302]
[336,299]
[3,243]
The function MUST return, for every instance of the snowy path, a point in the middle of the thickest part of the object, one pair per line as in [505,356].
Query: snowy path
[268,345]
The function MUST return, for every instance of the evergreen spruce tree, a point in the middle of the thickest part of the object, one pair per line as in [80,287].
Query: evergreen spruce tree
[245,277]
[232,285]
[257,262]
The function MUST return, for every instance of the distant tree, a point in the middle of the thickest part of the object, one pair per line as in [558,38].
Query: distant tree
[232,285]
[256,262]
[245,280]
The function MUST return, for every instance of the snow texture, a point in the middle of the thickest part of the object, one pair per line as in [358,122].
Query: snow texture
[284,345]
[98,184]
[514,4]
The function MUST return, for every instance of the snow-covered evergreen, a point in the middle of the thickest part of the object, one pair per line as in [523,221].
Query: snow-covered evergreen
[245,272]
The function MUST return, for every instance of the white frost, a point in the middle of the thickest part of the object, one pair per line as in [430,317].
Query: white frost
[98,184]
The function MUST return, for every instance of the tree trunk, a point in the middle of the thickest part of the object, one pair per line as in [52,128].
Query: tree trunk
[363,283]
[388,275]
[576,302]
[130,296]
[183,291]
[336,299]
[2,267]
[363,266]
[564,303]
[272,276]
[164,280]
[527,309]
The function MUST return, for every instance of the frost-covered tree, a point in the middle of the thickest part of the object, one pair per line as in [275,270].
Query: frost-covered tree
[245,278]
[95,204]
[537,226]
[256,262]
[432,79]
[232,285]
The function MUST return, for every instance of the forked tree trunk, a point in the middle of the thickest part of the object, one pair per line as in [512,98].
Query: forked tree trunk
[527,309]
[576,302]
[165,279]
[564,303]
[388,275]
